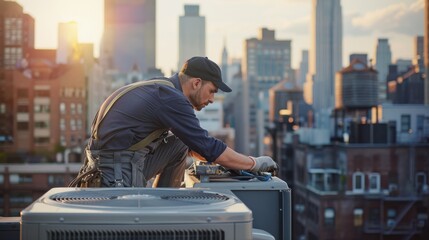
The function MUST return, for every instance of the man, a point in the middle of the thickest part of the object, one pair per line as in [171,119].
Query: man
[120,153]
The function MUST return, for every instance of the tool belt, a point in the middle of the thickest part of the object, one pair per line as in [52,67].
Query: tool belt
[114,168]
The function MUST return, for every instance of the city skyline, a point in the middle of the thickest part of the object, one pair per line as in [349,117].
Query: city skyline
[363,23]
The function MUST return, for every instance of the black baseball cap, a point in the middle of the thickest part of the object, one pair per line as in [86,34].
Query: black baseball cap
[206,69]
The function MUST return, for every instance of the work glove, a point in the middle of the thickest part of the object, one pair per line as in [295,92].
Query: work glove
[264,164]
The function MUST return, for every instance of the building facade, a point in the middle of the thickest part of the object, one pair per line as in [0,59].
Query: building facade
[361,191]
[266,62]
[46,108]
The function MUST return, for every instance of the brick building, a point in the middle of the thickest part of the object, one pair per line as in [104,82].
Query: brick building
[45,108]
[361,191]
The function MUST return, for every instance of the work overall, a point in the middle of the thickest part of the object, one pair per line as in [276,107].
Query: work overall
[160,153]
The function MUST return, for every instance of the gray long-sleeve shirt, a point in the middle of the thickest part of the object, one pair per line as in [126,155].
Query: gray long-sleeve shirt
[147,108]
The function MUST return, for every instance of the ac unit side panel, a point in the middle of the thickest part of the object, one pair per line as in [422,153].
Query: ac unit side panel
[237,231]
[274,216]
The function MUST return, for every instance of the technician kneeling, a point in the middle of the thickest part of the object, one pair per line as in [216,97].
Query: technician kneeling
[146,129]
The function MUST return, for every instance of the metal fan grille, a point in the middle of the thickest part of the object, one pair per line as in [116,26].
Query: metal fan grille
[138,198]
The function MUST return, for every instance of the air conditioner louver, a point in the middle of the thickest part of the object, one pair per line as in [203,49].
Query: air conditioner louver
[136,213]
[137,235]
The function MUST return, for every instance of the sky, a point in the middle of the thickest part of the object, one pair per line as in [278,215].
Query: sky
[230,22]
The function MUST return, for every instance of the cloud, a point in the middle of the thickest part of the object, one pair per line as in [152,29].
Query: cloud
[395,18]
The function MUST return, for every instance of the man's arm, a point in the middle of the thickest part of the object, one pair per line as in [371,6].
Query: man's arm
[234,160]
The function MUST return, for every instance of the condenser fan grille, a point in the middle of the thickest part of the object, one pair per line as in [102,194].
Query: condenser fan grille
[133,198]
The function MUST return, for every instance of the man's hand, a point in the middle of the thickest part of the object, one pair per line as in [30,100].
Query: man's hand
[264,164]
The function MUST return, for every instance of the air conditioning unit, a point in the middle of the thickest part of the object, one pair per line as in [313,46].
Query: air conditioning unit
[136,213]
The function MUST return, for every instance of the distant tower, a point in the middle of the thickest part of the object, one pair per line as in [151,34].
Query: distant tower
[67,42]
[129,36]
[325,53]
[383,58]
[192,34]
[418,52]
[303,68]
[426,52]
[224,63]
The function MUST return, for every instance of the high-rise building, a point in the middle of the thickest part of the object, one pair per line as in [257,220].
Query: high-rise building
[67,42]
[266,62]
[418,53]
[192,34]
[303,68]
[129,36]
[325,53]
[17,34]
[383,58]
[426,52]
[224,64]
[17,40]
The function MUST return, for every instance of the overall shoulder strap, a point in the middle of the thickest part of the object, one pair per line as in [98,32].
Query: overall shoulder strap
[105,107]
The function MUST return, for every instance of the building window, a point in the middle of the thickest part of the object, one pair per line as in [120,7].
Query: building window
[421,183]
[62,124]
[329,217]
[63,140]
[374,217]
[12,55]
[55,180]
[72,108]
[358,182]
[79,108]
[22,126]
[72,124]
[1,179]
[62,108]
[79,124]
[41,108]
[13,31]
[374,182]
[2,108]
[420,123]
[41,140]
[41,124]
[22,108]
[358,217]
[391,216]
[20,178]
[405,123]
[20,198]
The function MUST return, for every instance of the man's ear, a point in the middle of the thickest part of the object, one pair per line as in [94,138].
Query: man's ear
[197,83]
